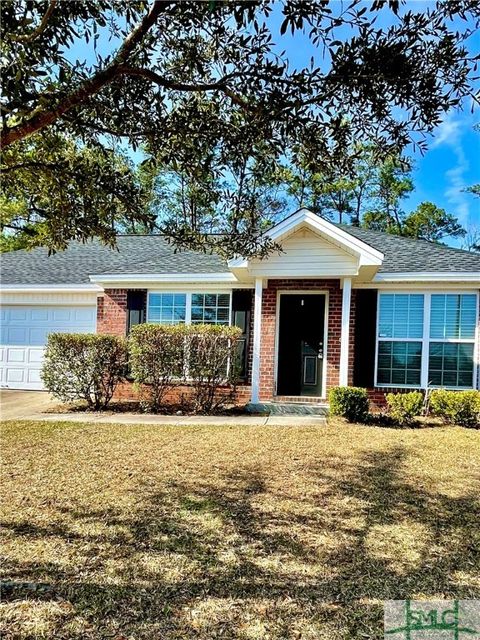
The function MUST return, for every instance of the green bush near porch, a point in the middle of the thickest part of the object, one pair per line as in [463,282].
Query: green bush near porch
[156,359]
[456,407]
[350,403]
[403,408]
[84,366]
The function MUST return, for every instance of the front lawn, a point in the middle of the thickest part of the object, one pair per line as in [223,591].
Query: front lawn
[147,532]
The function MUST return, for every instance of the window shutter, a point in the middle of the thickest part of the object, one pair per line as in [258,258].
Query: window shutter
[136,306]
[365,337]
[241,317]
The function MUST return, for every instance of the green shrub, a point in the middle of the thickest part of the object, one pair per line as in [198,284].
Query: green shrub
[456,407]
[404,407]
[165,356]
[349,402]
[84,366]
[212,363]
[157,359]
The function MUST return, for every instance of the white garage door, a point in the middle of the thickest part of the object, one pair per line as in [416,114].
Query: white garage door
[24,332]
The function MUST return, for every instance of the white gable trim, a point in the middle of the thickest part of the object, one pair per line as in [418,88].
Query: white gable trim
[305,218]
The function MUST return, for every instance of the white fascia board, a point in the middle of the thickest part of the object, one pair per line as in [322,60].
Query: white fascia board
[238,263]
[429,276]
[133,278]
[368,255]
[50,288]
[418,286]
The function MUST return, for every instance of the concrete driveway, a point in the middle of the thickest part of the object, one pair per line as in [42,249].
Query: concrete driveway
[20,405]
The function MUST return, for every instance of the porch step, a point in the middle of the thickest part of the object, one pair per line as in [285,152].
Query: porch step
[288,409]
[299,400]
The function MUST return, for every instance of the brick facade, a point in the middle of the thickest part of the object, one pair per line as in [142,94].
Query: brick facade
[377,395]
[112,312]
[178,395]
[112,319]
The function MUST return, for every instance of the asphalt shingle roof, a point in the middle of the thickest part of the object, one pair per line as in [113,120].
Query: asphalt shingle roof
[404,255]
[153,254]
[134,254]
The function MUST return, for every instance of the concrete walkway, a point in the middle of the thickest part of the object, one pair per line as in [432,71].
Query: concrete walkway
[38,405]
[135,418]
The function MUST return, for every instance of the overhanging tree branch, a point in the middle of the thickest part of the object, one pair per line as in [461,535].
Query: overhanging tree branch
[218,85]
[41,118]
[41,27]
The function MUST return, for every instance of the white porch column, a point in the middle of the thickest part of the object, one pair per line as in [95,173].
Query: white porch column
[257,331]
[344,340]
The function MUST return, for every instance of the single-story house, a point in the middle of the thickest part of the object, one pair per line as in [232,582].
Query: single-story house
[339,305]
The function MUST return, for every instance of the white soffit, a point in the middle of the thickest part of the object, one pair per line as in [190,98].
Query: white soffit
[159,278]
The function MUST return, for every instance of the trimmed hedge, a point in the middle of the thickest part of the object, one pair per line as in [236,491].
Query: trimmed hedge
[156,359]
[456,407]
[403,408]
[84,366]
[349,402]
[212,363]
[165,356]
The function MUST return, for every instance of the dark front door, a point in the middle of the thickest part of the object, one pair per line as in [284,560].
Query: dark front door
[300,344]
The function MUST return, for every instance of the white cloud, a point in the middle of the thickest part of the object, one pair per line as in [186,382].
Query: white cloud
[449,131]
[450,134]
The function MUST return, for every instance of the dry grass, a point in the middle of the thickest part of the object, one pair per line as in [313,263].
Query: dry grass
[143,532]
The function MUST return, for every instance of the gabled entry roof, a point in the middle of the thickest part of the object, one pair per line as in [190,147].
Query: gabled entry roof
[334,234]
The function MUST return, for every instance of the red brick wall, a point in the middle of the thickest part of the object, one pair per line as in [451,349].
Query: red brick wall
[126,391]
[269,310]
[112,312]
[377,395]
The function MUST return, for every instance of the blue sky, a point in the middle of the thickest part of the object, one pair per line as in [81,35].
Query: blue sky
[452,161]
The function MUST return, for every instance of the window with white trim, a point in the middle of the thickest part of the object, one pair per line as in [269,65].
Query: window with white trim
[426,339]
[400,327]
[452,339]
[190,308]
[210,308]
[167,308]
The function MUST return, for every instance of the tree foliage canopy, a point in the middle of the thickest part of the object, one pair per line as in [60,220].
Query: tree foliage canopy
[196,80]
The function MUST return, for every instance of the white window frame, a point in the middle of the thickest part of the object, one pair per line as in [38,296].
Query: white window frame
[426,340]
[188,310]
[173,293]
[188,307]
